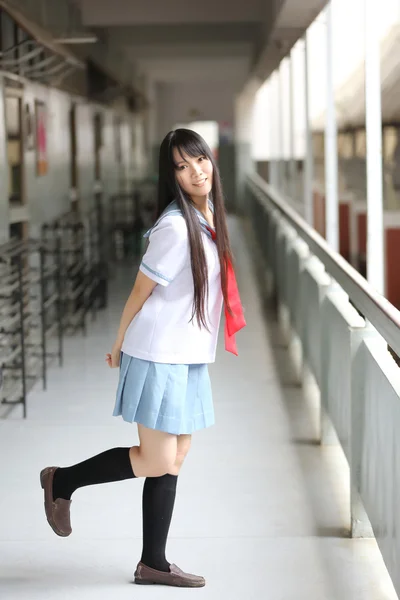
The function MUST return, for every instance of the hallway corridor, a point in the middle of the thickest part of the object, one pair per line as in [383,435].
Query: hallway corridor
[261,509]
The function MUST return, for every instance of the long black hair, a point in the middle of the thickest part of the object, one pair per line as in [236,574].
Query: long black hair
[188,141]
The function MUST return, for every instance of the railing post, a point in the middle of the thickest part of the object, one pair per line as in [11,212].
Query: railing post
[360,524]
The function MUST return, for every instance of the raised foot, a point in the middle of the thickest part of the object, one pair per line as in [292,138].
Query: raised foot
[57,512]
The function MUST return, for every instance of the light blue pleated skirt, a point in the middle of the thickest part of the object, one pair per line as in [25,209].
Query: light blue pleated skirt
[172,398]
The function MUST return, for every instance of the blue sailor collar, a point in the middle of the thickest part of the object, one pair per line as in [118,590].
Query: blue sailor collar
[173,209]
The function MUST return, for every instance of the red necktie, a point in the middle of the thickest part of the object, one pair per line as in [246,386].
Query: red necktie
[233,322]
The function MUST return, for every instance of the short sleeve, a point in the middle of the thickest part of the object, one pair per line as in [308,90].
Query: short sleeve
[167,251]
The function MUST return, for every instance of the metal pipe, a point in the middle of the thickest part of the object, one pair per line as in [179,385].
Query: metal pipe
[331,160]
[375,233]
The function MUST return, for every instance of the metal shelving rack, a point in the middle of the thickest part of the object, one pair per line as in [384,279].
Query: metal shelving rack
[93,260]
[123,223]
[12,332]
[47,300]
[30,317]
[101,211]
[69,232]
[83,244]
[130,215]
[97,252]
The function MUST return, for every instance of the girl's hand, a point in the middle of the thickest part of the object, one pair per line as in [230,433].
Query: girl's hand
[113,359]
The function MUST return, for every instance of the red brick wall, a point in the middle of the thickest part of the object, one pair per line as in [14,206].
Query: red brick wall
[392,266]
[344,230]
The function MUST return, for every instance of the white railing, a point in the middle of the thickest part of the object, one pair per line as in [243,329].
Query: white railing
[342,329]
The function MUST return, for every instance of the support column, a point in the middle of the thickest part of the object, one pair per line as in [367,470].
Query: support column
[151,125]
[273,131]
[244,163]
[292,163]
[308,159]
[331,160]
[281,129]
[375,233]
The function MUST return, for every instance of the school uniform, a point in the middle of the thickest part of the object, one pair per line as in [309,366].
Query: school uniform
[164,382]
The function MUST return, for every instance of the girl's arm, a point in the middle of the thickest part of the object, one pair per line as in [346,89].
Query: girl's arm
[141,290]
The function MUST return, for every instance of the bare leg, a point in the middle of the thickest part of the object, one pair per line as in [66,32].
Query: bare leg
[183,446]
[156,454]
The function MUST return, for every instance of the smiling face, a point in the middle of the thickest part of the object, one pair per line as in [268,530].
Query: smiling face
[193,173]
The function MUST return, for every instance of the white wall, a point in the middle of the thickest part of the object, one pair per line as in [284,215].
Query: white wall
[110,169]
[208,130]
[85,150]
[48,196]
[139,158]
[176,103]
[127,151]
[244,135]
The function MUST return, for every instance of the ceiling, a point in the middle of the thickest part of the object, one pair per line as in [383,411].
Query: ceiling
[177,41]
[103,13]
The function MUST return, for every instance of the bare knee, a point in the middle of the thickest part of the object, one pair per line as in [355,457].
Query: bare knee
[180,457]
[181,453]
[175,468]
[160,466]
[146,465]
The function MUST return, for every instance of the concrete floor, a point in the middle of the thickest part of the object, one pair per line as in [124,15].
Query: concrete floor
[261,511]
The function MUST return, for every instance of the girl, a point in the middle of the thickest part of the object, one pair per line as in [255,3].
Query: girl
[166,338]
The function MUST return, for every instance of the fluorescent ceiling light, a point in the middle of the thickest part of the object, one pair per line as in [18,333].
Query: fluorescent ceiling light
[77,39]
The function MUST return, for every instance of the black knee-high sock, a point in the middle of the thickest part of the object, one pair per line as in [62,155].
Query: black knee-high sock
[158,504]
[111,465]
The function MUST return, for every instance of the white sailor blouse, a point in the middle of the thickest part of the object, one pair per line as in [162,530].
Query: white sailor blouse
[163,330]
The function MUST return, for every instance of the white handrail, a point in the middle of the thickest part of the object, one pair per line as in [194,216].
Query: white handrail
[376,308]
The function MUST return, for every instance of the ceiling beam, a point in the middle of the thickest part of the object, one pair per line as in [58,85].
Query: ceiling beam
[185,51]
[105,13]
[196,70]
[183,34]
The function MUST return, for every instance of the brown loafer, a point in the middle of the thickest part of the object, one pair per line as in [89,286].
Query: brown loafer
[58,512]
[176,577]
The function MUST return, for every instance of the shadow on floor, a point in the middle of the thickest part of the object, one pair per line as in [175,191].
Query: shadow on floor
[324,468]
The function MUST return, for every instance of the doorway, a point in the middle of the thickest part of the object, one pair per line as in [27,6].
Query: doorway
[14,148]
[98,143]
[13,96]
[74,177]
[209,131]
